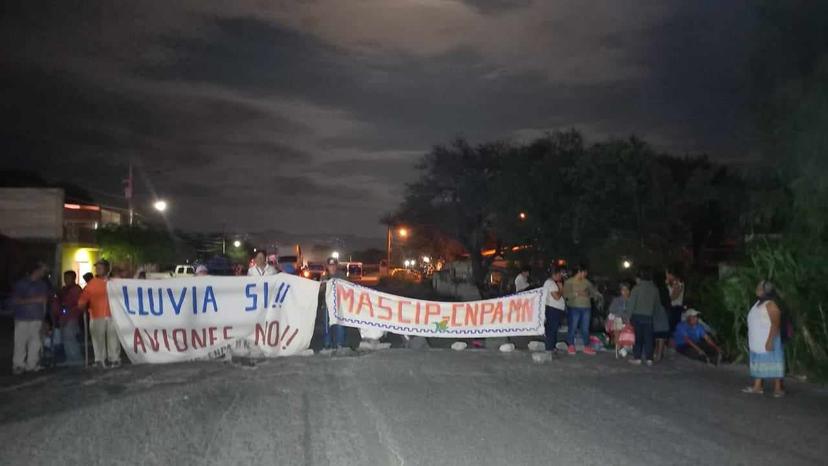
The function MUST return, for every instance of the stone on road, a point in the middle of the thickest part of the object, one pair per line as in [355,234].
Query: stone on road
[408,407]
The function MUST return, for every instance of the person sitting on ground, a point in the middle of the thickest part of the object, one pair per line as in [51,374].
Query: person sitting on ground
[693,341]
[522,279]
[618,312]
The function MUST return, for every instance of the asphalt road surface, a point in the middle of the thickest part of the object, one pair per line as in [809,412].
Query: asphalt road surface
[426,407]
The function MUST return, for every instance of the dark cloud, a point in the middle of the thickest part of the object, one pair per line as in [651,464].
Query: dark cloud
[313,114]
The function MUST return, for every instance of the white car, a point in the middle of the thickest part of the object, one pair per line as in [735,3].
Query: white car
[184,271]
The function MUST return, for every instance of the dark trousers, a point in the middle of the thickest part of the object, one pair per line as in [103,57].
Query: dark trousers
[643,337]
[553,322]
[674,317]
[709,355]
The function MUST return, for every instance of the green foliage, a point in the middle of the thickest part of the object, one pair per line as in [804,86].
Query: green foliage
[133,245]
[802,281]
[618,196]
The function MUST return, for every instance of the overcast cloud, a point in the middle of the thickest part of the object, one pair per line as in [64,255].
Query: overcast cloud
[308,116]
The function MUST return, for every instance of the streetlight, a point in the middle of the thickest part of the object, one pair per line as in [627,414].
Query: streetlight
[236,244]
[522,216]
[626,264]
[160,205]
[335,255]
[402,232]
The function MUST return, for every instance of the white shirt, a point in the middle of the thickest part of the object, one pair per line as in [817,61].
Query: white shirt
[679,301]
[549,287]
[255,271]
[521,283]
[759,327]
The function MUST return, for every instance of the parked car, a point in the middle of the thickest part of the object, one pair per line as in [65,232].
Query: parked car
[184,270]
[353,270]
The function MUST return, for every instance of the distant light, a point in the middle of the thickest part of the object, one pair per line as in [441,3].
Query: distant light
[254,249]
[237,244]
[160,205]
[403,232]
[626,264]
[426,259]
[522,215]
[335,255]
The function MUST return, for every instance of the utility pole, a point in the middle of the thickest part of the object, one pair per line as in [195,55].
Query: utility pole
[128,194]
[388,249]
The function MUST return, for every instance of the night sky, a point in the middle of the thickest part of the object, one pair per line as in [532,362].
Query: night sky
[308,116]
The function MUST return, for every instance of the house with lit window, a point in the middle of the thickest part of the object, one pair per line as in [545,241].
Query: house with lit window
[38,224]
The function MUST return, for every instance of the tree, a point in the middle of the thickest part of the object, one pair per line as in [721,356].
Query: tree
[135,245]
[455,194]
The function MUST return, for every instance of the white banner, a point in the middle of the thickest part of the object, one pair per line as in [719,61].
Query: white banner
[356,306]
[184,319]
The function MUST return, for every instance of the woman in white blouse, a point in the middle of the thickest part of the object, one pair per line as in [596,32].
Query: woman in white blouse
[767,357]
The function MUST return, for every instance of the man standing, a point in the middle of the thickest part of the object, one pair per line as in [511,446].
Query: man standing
[30,297]
[105,342]
[333,336]
[578,293]
[522,279]
[692,340]
[643,304]
[555,307]
[261,268]
[66,315]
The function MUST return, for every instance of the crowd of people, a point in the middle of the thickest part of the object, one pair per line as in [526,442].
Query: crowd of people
[641,320]
[651,323]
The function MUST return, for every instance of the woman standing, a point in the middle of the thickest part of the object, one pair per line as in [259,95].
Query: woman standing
[767,358]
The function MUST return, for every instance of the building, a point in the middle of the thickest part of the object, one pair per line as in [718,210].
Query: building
[37,224]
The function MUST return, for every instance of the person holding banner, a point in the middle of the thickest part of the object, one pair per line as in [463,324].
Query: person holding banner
[102,328]
[522,280]
[579,292]
[261,268]
[333,336]
[555,306]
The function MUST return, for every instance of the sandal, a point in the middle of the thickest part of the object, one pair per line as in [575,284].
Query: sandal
[752,391]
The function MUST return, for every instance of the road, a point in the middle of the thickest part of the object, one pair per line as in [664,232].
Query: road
[408,407]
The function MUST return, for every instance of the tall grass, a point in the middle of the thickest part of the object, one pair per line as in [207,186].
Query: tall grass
[801,277]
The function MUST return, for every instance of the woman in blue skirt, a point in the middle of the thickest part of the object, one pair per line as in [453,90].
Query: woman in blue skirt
[767,357]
